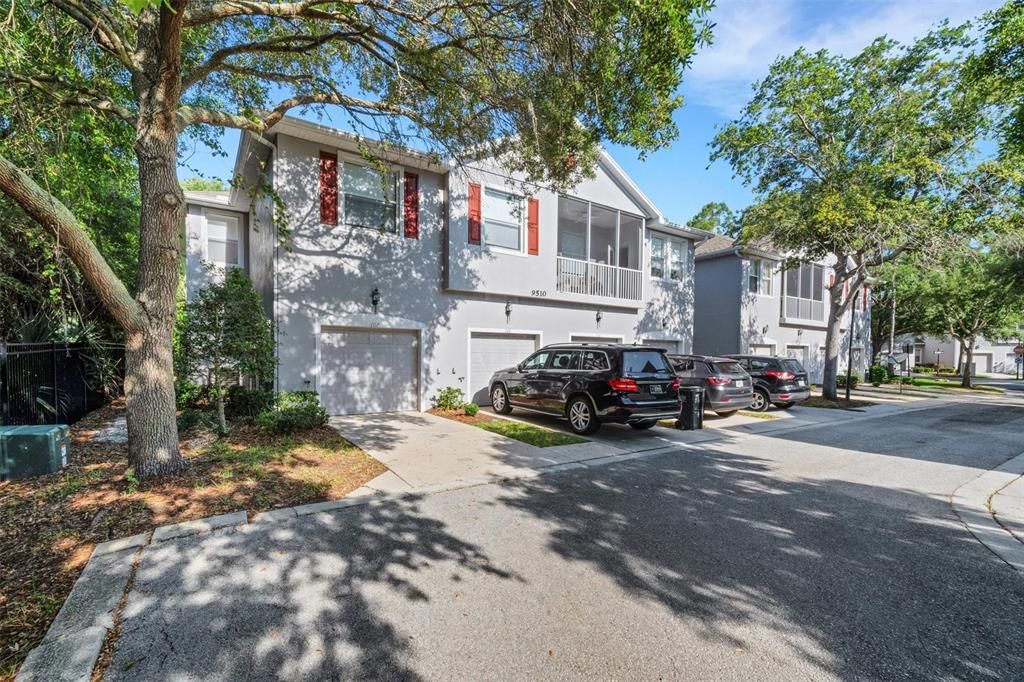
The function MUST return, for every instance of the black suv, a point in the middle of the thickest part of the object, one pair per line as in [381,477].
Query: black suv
[777,381]
[591,383]
[727,386]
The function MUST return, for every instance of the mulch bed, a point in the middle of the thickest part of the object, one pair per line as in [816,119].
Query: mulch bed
[50,524]
[460,415]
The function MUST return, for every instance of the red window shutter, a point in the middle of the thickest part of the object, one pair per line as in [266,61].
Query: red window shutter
[474,213]
[328,188]
[412,206]
[533,226]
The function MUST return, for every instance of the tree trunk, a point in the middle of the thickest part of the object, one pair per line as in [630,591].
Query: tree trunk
[838,308]
[149,381]
[967,352]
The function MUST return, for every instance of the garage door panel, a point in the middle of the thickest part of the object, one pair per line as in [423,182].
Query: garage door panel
[489,352]
[667,346]
[368,371]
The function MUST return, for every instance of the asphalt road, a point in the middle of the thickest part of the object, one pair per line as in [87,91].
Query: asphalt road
[823,553]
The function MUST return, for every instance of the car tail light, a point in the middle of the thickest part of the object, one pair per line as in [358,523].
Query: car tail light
[675,384]
[719,381]
[624,385]
[780,374]
[783,397]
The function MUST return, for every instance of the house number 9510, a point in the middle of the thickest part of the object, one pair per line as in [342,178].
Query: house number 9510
[539,292]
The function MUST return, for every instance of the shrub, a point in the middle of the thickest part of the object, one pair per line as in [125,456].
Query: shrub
[471,409]
[247,403]
[190,417]
[841,381]
[945,370]
[924,369]
[296,411]
[448,399]
[878,375]
[191,395]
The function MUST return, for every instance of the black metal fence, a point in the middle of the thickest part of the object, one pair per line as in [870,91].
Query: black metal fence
[56,383]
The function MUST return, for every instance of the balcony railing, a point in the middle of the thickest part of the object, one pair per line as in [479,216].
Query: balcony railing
[804,309]
[596,279]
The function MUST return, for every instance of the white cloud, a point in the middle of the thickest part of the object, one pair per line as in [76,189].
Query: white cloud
[750,34]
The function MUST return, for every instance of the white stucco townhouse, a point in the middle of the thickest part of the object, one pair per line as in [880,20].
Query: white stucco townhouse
[401,276]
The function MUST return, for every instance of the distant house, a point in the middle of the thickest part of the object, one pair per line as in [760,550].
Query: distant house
[991,356]
[745,303]
[401,276]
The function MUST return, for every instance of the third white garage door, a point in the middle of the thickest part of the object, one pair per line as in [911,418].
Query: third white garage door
[363,371]
[489,352]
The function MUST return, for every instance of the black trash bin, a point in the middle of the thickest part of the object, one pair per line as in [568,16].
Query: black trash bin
[691,413]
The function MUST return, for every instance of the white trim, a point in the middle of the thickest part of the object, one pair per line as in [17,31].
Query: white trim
[537,334]
[523,236]
[612,338]
[398,324]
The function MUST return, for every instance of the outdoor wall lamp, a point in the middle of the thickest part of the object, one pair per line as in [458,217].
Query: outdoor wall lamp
[764,330]
[508,311]
[375,298]
[664,323]
[598,317]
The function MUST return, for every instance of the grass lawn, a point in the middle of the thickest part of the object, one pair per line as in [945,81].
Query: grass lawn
[946,383]
[840,404]
[760,415]
[527,433]
[51,523]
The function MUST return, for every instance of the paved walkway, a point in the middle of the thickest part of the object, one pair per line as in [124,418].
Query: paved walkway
[1008,507]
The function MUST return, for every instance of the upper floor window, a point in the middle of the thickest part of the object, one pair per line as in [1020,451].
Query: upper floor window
[805,293]
[669,257]
[369,197]
[224,243]
[502,219]
[598,234]
[759,277]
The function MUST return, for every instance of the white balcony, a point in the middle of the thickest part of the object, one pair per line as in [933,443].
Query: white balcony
[575,276]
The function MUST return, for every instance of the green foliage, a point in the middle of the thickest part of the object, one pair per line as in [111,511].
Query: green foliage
[247,403]
[191,417]
[471,409]
[189,394]
[924,369]
[996,72]
[198,184]
[448,399]
[295,411]
[878,375]
[841,380]
[227,335]
[716,216]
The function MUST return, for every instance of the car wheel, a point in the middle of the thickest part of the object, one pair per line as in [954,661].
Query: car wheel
[785,406]
[582,419]
[726,413]
[761,401]
[643,426]
[499,400]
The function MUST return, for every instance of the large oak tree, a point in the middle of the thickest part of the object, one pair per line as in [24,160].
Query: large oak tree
[860,159]
[541,82]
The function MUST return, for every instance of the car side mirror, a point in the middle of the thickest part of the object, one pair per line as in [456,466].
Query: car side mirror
[519,367]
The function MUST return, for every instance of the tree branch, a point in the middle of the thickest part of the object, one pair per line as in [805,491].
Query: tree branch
[49,212]
[85,97]
[101,29]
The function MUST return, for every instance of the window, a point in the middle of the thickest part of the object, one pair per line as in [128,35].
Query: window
[502,219]
[682,364]
[669,257]
[536,361]
[657,256]
[369,197]
[598,234]
[223,240]
[805,291]
[644,362]
[594,360]
[565,360]
[759,279]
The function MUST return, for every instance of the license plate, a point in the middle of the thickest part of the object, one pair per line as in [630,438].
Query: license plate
[656,389]
[739,384]
[799,382]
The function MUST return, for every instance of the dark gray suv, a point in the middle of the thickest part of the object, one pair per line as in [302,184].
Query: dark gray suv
[727,386]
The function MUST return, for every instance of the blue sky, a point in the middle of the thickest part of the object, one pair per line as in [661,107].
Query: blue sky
[749,34]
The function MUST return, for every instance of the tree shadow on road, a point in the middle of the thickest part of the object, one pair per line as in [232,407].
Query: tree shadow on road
[852,580]
[293,601]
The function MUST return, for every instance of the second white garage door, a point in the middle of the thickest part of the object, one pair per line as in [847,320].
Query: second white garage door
[364,371]
[667,346]
[489,352]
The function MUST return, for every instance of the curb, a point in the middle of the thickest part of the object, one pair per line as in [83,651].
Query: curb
[971,505]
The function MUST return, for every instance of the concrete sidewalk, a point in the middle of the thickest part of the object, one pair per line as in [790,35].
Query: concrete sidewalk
[1007,506]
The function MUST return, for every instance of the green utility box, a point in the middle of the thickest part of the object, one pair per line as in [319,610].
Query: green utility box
[33,450]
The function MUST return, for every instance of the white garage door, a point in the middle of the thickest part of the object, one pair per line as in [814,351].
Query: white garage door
[669,346]
[490,352]
[982,363]
[368,371]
